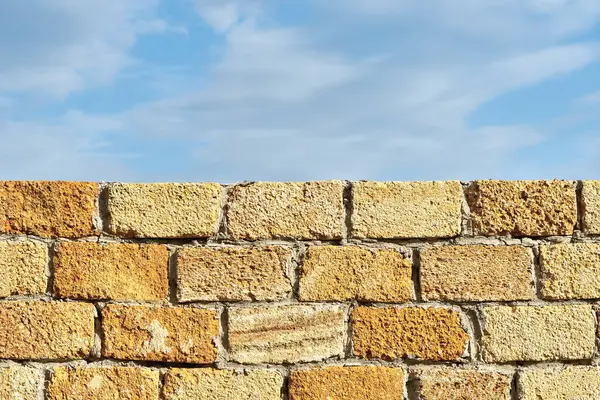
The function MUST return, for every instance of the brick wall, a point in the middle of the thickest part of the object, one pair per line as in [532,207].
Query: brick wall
[318,290]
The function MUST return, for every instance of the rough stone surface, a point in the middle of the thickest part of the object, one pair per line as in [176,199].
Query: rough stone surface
[48,209]
[164,210]
[356,383]
[350,272]
[442,383]
[20,383]
[103,383]
[523,208]
[563,383]
[300,210]
[570,271]
[84,270]
[538,333]
[390,333]
[233,273]
[590,196]
[46,330]
[406,209]
[214,384]
[23,266]
[289,333]
[154,333]
[476,273]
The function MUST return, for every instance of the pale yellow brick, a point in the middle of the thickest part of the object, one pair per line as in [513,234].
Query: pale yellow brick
[590,196]
[23,266]
[164,210]
[20,383]
[406,209]
[299,210]
[442,383]
[538,333]
[560,383]
[476,273]
[350,272]
[214,384]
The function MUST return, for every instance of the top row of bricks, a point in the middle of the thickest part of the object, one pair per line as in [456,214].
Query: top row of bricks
[305,210]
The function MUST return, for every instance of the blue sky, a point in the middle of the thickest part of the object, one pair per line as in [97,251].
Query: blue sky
[231,90]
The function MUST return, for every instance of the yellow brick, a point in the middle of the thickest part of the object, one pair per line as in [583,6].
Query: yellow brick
[476,273]
[570,271]
[350,272]
[103,383]
[84,270]
[390,333]
[164,210]
[590,196]
[46,330]
[300,210]
[214,384]
[20,383]
[48,209]
[288,333]
[538,333]
[356,383]
[406,209]
[233,274]
[442,383]
[562,383]
[523,208]
[155,333]
[23,266]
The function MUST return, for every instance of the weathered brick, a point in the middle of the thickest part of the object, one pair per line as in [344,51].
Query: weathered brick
[233,273]
[570,271]
[154,333]
[441,383]
[476,273]
[406,209]
[121,271]
[538,333]
[164,210]
[590,196]
[300,210]
[214,384]
[23,266]
[350,382]
[523,208]
[46,330]
[103,383]
[350,272]
[48,209]
[20,383]
[389,333]
[290,333]
[562,383]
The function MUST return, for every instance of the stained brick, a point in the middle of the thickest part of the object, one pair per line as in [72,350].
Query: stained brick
[523,208]
[233,273]
[103,383]
[214,384]
[350,382]
[569,382]
[46,330]
[476,273]
[570,271]
[442,383]
[289,333]
[406,209]
[538,333]
[155,333]
[350,272]
[48,209]
[164,210]
[23,266]
[390,333]
[84,270]
[20,383]
[300,210]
